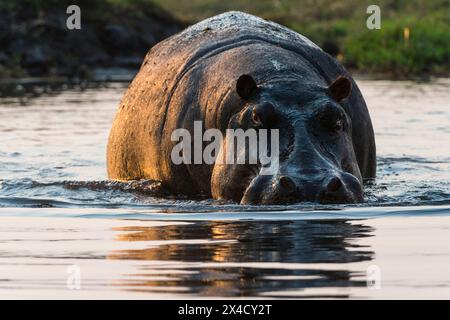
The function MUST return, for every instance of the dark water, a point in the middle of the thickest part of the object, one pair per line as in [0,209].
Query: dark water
[55,197]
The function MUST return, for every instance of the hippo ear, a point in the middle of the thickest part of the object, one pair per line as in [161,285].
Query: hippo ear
[340,88]
[246,86]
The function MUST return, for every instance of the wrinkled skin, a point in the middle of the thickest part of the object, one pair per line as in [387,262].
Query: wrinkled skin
[238,71]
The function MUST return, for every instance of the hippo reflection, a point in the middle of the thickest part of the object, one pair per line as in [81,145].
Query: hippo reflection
[237,71]
[237,257]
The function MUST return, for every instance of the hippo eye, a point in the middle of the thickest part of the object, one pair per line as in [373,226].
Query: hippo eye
[332,121]
[255,117]
[338,124]
[263,114]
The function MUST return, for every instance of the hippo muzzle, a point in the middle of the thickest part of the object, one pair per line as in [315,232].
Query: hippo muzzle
[319,186]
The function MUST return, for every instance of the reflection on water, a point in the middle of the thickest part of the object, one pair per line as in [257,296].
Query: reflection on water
[246,258]
[172,259]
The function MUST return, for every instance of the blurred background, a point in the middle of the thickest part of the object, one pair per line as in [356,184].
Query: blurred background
[413,42]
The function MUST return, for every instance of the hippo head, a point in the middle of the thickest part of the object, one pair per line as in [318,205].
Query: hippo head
[316,160]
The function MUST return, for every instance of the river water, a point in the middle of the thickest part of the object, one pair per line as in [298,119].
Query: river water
[61,220]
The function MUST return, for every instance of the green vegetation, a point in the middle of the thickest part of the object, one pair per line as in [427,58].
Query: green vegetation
[414,39]
[339,27]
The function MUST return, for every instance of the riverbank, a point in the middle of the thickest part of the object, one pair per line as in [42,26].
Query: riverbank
[114,37]
[413,42]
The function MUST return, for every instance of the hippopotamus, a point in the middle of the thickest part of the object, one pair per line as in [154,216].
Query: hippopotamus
[235,70]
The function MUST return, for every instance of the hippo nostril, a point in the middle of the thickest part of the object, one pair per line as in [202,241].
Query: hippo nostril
[287,184]
[334,184]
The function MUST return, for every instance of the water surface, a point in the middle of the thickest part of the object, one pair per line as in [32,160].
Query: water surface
[57,209]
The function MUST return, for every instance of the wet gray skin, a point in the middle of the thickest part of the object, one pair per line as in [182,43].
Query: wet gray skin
[317,160]
[238,71]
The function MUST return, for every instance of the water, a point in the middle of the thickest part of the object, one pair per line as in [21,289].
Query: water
[57,209]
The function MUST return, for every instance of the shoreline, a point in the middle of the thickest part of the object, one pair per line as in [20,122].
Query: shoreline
[22,85]
[119,74]
[118,35]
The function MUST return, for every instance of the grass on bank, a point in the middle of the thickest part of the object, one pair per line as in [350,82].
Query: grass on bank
[414,38]
[338,26]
